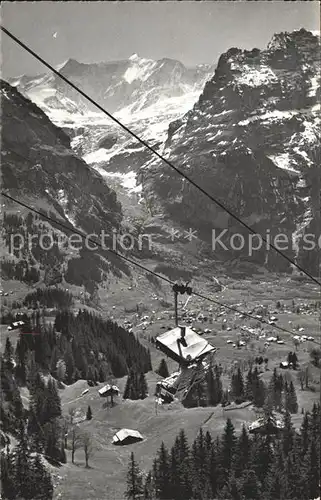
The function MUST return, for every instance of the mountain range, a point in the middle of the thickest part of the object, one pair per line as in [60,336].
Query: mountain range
[246,130]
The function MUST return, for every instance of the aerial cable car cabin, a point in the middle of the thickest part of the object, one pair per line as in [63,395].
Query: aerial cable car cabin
[184,346]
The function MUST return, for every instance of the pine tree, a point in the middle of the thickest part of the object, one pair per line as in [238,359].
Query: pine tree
[149,488]
[127,391]
[233,488]
[52,437]
[201,393]
[89,415]
[288,434]
[32,369]
[228,446]
[41,479]
[292,474]
[275,484]
[201,466]
[136,386]
[162,370]
[315,419]
[218,384]
[275,390]
[262,456]
[258,389]
[291,402]
[143,388]
[17,406]
[8,356]
[216,470]
[61,370]
[134,480]
[174,480]
[243,452]
[181,483]
[237,386]
[52,401]
[63,456]
[294,361]
[312,464]
[8,479]
[70,364]
[22,466]
[249,386]
[304,434]
[91,373]
[250,486]
[184,464]
[20,370]
[214,388]
[224,493]
[162,479]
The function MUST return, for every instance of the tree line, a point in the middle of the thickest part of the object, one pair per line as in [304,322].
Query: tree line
[49,297]
[279,394]
[81,346]
[285,465]
[23,474]
[20,271]
[41,431]
[136,386]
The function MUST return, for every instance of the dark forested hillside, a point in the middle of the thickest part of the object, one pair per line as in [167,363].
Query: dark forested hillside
[93,340]
[270,467]
[79,346]
[49,297]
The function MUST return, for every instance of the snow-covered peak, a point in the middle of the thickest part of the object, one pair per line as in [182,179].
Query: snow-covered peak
[139,69]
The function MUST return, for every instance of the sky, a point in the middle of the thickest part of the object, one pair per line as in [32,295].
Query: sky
[192,32]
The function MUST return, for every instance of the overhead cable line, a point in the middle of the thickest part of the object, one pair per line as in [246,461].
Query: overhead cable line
[68,228]
[145,269]
[152,150]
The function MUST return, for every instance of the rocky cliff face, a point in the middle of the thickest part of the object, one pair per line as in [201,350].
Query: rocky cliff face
[40,169]
[251,141]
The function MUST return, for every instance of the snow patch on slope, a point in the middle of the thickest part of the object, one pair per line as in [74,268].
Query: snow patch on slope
[101,155]
[253,77]
[283,161]
[270,115]
[140,69]
[63,200]
[315,85]
[127,181]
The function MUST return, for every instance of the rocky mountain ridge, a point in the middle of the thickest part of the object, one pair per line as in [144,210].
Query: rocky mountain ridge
[40,169]
[252,141]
